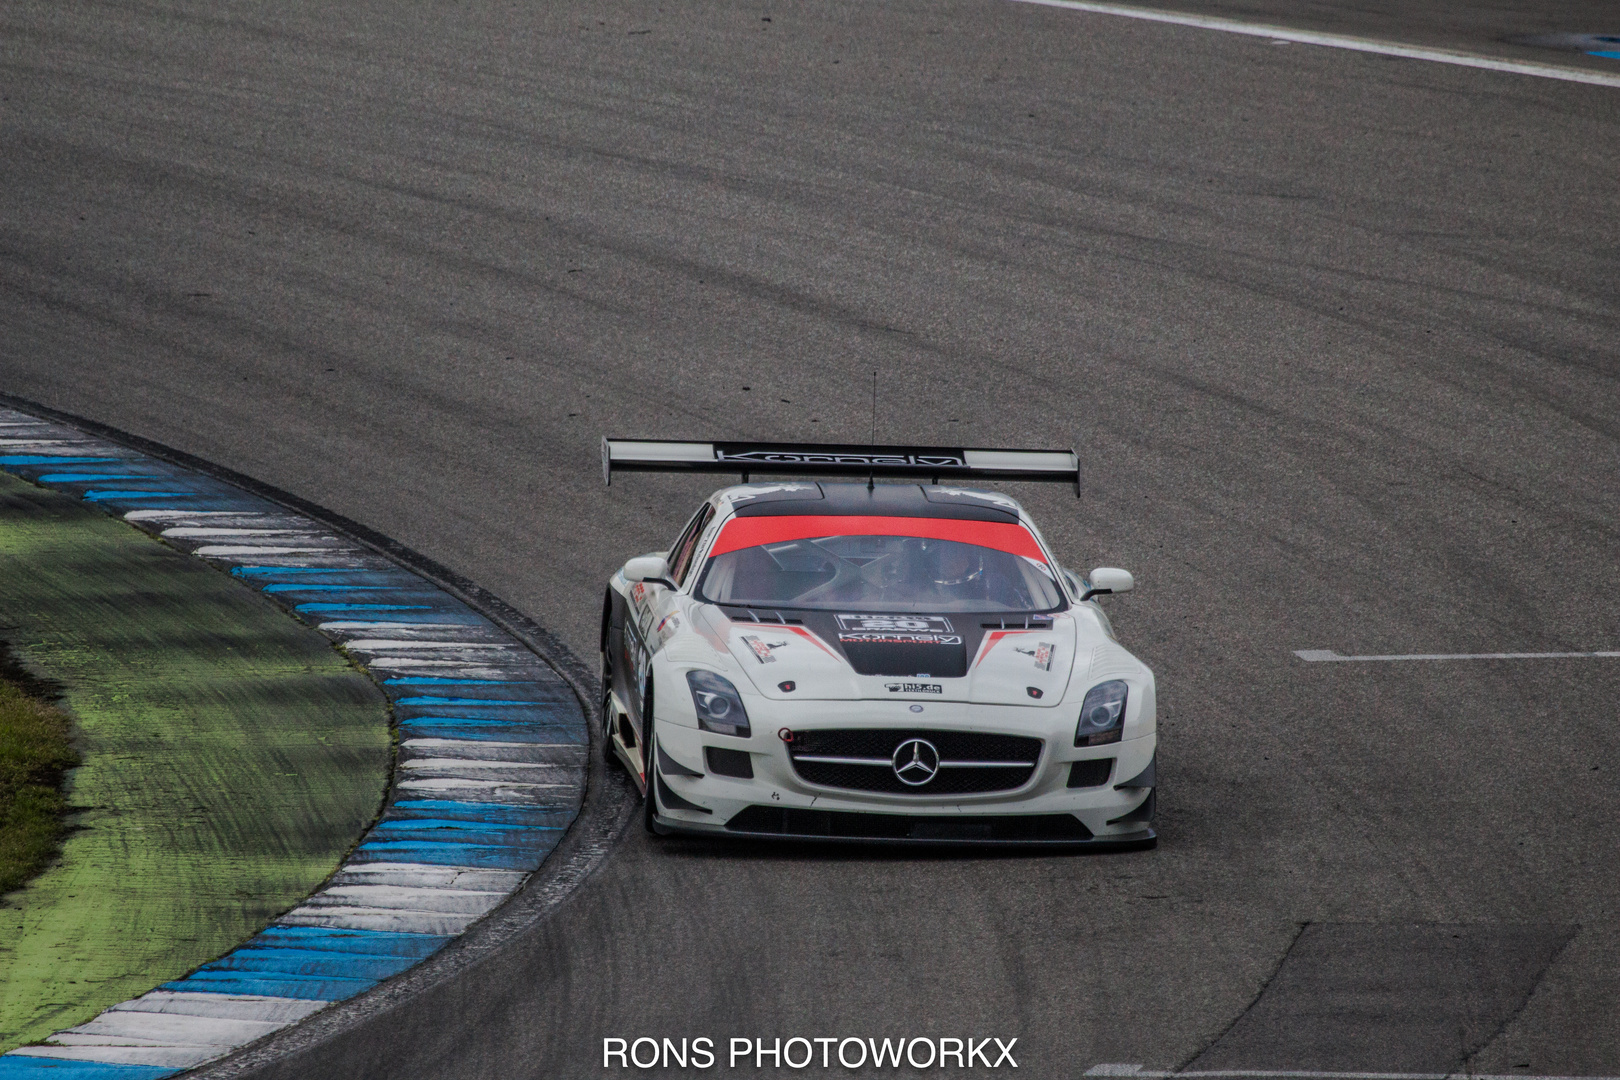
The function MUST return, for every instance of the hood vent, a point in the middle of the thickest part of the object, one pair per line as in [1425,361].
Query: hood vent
[763,616]
[913,660]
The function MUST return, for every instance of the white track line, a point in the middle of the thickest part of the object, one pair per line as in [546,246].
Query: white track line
[1279,1074]
[1321,656]
[1339,41]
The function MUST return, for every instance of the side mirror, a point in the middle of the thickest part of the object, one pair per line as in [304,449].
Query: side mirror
[651,568]
[1109,579]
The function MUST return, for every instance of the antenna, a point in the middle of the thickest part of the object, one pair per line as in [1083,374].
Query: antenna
[872,474]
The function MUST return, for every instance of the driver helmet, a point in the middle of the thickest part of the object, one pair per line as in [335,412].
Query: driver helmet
[953,564]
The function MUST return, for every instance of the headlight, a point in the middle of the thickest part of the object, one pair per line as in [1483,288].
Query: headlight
[1102,714]
[719,709]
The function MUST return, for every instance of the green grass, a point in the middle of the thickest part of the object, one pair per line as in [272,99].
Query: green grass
[231,758]
[36,749]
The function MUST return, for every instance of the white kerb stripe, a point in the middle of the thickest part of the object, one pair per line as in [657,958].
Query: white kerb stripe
[389,644]
[1323,656]
[197,532]
[225,1006]
[1340,41]
[222,551]
[186,515]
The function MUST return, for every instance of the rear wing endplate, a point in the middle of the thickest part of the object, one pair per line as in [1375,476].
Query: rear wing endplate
[923,464]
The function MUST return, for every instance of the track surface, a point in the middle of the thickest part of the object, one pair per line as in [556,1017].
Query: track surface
[1335,335]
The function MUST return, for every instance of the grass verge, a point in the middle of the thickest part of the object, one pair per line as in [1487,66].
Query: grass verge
[231,758]
[36,750]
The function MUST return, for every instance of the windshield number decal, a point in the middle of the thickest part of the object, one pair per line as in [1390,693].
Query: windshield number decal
[933,624]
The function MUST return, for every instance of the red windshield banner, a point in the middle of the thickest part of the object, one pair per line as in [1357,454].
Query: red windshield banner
[748,532]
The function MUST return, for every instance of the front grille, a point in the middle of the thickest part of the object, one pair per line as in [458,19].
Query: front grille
[971,762]
[848,825]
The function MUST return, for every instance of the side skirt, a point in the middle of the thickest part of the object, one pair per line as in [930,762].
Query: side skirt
[629,756]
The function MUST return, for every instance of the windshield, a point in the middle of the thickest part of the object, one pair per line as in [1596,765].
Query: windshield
[880,573]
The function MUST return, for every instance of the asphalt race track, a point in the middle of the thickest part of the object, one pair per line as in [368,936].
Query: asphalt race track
[1335,334]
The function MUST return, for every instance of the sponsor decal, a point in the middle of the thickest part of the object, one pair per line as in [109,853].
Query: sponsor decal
[1042,652]
[936,624]
[931,460]
[762,649]
[914,688]
[897,637]
[638,591]
[672,621]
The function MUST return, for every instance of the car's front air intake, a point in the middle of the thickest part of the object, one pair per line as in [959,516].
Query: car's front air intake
[905,761]
[810,824]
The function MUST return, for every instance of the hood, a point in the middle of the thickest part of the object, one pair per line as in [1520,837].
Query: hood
[960,657]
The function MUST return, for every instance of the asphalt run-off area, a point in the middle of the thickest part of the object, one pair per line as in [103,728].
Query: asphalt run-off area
[1322,294]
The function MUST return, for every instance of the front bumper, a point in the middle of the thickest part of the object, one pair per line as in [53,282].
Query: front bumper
[777,803]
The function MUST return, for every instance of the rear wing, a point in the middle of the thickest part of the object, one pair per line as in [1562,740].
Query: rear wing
[918,463]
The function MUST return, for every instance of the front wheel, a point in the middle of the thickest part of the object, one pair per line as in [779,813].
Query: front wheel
[608,716]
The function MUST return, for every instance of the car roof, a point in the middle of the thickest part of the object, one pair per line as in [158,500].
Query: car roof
[879,500]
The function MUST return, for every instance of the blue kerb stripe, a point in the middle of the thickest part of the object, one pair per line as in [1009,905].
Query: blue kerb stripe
[462,830]
[455,823]
[285,960]
[84,478]
[1606,54]
[492,702]
[540,819]
[370,942]
[46,459]
[24,1065]
[297,586]
[115,496]
[362,607]
[513,839]
[305,988]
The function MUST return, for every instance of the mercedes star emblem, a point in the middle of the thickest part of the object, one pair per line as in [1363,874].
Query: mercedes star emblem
[915,762]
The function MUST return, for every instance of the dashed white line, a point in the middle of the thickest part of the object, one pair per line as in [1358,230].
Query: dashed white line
[1282,1074]
[1323,656]
[1340,41]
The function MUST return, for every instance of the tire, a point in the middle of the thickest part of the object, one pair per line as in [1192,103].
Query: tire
[608,716]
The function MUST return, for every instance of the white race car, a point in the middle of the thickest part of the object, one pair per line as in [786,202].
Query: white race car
[873,662]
